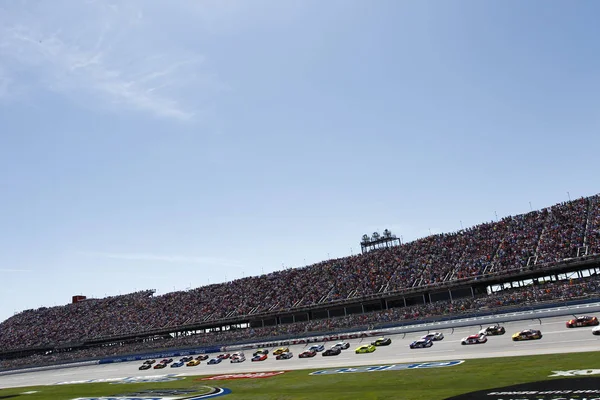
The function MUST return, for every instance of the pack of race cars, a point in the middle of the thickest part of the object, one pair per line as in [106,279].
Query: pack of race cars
[426,341]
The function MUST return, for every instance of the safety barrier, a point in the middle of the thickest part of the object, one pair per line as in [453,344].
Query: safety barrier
[164,354]
[498,318]
[481,318]
[49,367]
[487,319]
[422,321]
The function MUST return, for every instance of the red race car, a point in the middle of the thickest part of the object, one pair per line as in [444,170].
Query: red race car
[307,354]
[474,339]
[224,356]
[584,320]
[259,357]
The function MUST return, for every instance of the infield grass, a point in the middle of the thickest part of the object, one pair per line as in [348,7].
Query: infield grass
[413,384]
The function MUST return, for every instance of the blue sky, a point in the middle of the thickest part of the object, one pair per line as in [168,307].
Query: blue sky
[146,145]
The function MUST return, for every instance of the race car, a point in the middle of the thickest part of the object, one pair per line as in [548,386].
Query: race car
[160,366]
[527,334]
[224,356]
[260,351]
[193,363]
[493,330]
[202,357]
[474,339]
[434,336]
[342,345]
[144,367]
[215,360]
[334,351]
[167,361]
[421,344]
[596,331]
[259,357]
[186,359]
[285,356]
[238,358]
[281,350]
[382,342]
[177,364]
[307,354]
[317,347]
[365,348]
[584,320]
[149,362]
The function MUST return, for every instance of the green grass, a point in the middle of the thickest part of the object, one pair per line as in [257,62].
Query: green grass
[415,384]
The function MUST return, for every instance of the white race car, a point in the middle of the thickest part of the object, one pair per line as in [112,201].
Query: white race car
[474,339]
[433,336]
[596,330]
[238,358]
[342,345]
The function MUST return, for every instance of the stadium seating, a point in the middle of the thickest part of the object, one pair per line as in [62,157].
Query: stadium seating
[534,239]
[550,291]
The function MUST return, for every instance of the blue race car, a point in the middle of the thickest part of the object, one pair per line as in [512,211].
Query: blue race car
[177,364]
[317,348]
[421,344]
[215,360]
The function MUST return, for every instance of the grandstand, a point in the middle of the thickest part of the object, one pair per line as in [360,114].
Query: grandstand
[439,274]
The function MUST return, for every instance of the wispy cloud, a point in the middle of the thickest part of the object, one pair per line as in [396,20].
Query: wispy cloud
[14,270]
[104,55]
[175,259]
[4,83]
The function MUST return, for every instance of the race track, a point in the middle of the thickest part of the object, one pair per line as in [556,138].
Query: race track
[556,339]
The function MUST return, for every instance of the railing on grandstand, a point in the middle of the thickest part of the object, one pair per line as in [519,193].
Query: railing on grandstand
[374,326]
[337,302]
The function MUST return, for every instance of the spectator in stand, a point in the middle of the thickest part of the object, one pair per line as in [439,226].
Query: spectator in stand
[564,231]
[503,247]
[547,292]
[592,235]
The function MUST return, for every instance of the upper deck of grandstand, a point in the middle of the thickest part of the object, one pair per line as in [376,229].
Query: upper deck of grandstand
[536,239]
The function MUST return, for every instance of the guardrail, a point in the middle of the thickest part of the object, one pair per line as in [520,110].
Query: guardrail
[48,367]
[500,318]
[421,321]
[168,354]
[567,305]
[489,318]
[430,326]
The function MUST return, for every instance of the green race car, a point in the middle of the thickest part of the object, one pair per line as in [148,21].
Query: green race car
[366,348]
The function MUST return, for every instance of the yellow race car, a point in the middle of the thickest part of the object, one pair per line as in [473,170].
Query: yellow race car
[193,363]
[527,334]
[366,348]
[281,350]
[260,351]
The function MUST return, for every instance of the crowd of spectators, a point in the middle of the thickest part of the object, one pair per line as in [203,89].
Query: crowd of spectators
[592,233]
[564,231]
[511,244]
[523,296]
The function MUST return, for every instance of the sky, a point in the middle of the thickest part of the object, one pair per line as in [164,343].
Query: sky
[167,145]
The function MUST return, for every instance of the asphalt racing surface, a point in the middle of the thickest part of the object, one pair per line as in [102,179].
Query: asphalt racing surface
[557,338]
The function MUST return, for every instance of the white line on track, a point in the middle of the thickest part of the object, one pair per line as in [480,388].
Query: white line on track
[437,351]
[577,340]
